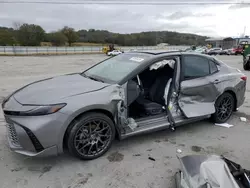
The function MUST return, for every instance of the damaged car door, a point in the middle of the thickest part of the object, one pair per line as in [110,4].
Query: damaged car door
[130,91]
[198,92]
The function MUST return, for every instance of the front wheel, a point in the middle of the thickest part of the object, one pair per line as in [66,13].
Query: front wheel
[90,136]
[224,107]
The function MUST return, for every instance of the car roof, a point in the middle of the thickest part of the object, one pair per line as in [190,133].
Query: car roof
[154,55]
[163,53]
[157,52]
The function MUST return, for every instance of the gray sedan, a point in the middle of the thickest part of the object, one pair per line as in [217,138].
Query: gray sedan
[123,96]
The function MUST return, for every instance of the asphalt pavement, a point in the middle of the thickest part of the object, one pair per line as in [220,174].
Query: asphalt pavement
[147,161]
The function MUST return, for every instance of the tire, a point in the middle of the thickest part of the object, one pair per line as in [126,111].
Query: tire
[224,107]
[246,66]
[79,137]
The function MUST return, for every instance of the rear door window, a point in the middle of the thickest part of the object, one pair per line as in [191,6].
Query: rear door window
[195,67]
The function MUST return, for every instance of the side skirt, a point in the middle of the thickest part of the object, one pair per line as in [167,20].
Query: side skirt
[157,124]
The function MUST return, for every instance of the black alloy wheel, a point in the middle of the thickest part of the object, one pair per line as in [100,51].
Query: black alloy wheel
[224,107]
[91,136]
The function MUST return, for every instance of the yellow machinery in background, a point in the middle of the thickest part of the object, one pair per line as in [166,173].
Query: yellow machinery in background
[209,46]
[109,48]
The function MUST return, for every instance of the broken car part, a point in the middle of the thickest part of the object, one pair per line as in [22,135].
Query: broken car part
[199,171]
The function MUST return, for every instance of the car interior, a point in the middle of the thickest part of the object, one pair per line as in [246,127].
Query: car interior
[147,91]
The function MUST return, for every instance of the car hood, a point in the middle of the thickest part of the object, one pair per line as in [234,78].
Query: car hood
[52,90]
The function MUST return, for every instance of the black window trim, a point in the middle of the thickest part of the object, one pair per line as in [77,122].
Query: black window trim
[210,67]
[188,55]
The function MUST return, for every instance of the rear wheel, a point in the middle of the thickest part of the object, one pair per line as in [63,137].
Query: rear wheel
[224,107]
[90,136]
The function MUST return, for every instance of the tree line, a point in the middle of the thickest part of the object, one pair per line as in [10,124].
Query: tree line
[33,35]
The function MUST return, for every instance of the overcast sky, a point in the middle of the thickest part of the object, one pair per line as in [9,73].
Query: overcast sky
[209,20]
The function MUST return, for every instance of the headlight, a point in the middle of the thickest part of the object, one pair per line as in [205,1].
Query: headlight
[45,110]
[38,110]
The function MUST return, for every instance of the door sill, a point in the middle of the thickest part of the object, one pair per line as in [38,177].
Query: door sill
[142,119]
[147,125]
[158,123]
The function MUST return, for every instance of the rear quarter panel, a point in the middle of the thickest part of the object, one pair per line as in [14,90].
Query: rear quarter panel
[230,81]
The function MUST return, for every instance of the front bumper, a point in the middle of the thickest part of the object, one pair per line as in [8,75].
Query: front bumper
[36,135]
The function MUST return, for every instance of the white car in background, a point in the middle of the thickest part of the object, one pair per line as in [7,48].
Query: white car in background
[231,51]
[200,50]
[114,53]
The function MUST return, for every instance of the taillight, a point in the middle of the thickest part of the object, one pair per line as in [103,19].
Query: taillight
[243,78]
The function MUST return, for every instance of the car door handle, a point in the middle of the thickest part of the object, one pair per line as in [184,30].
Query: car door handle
[216,81]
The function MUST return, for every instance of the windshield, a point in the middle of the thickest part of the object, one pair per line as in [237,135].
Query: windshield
[116,68]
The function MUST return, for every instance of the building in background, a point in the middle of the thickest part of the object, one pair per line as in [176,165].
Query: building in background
[243,40]
[223,43]
[227,42]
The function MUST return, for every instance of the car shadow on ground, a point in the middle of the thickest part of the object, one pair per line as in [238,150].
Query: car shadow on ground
[191,137]
[132,142]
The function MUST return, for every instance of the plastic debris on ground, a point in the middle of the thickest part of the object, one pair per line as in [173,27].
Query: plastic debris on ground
[179,151]
[224,125]
[151,158]
[243,119]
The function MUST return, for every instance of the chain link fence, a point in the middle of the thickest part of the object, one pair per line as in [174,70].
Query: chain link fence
[40,50]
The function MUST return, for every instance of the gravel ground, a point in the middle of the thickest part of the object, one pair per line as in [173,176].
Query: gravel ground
[127,164]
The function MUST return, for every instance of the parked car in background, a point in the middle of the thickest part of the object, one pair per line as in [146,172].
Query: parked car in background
[201,50]
[238,50]
[198,49]
[127,95]
[114,53]
[214,51]
[224,52]
[231,51]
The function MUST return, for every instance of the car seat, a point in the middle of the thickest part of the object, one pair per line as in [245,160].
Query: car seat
[155,102]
